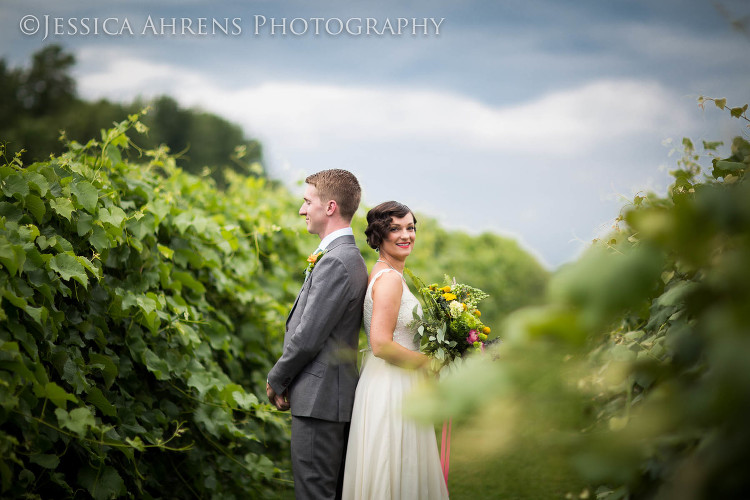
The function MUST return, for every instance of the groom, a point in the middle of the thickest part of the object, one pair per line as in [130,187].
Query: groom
[317,372]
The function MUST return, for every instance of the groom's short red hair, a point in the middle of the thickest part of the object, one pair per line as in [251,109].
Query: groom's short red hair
[338,185]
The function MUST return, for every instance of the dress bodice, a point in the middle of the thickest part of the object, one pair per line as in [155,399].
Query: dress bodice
[403,334]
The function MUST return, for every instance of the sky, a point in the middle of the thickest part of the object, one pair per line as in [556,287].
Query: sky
[535,119]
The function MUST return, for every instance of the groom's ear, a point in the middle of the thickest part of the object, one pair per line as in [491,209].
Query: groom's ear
[331,207]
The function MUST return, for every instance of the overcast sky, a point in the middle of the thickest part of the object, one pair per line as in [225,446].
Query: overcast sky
[530,118]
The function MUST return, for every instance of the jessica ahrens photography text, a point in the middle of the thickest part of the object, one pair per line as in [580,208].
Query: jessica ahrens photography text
[47,26]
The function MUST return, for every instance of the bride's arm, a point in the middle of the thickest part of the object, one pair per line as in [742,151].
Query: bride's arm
[386,301]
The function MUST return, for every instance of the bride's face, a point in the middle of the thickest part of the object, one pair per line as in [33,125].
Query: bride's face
[399,241]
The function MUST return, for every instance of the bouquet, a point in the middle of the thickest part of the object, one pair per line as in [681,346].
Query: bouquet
[450,321]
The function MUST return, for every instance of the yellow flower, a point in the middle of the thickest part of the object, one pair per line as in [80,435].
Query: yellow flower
[477,312]
[445,289]
[486,329]
[313,258]
[449,296]
[464,306]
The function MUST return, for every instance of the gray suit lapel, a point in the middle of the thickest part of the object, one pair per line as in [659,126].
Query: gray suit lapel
[346,239]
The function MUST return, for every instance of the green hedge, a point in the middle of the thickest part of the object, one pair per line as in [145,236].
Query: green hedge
[140,310]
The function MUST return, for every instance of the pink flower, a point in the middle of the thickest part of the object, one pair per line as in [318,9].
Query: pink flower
[473,337]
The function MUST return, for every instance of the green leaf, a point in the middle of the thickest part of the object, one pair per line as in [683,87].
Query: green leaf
[63,206]
[245,400]
[165,251]
[12,257]
[28,232]
[730,166]
[84,224]
[109,368]
[15,186]
[100,239]
[113,216]
[136,443]
[141,226]
[151,321]
[146,304]
[187,280]
[58,395]
[188,334]
[67,266]
[202,381]
[677,294]
[74,375]
[159,207]
[89,266]
[10,211]
[720,103]
[183,221]
[102,484]
[46,461]
[38,182]
[78,420]
[38,314]
[14,299]
[86,195]
[156,365]
[113,153]
[97,398]
[36,206]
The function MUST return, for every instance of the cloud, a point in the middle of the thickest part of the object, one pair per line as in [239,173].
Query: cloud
[536,169]
[310,116]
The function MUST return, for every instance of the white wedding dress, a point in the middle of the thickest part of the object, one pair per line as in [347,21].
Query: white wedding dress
[388,456]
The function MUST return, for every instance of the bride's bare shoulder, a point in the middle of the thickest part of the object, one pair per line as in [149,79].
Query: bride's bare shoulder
[386,281]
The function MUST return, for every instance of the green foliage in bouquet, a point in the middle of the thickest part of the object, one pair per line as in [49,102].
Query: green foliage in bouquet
[635,368]
[449,325]
[140,310]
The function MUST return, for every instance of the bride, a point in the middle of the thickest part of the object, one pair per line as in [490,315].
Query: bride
[389,457]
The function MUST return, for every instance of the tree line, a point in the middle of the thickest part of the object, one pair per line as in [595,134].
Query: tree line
[41,101]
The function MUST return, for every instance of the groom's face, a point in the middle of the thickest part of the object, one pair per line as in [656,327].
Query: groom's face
[313,210]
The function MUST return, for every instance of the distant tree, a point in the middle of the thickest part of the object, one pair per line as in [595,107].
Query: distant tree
[40,102]
[9,85]
[47,86]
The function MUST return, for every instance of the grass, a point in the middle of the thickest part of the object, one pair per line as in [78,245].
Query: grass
[523,474]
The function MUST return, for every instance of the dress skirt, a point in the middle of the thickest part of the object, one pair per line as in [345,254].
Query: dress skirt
[388,456]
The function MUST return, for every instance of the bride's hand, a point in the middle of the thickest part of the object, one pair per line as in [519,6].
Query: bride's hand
[431,367]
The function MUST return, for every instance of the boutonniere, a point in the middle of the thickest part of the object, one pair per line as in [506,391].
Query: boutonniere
[312,260]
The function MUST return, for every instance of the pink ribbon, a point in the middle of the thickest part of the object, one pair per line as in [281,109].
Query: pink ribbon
[445,449]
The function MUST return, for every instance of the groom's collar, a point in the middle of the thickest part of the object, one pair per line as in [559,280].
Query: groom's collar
[339,232]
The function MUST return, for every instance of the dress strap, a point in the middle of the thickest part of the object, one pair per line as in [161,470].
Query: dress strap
[379,273]
[389,265]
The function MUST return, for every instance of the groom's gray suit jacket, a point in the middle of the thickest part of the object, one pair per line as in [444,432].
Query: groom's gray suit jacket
[319,363]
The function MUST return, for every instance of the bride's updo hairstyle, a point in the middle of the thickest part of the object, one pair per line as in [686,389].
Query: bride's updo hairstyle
[379,221]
